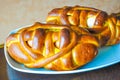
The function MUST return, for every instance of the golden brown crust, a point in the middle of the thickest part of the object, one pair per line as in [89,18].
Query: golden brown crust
[77,15]
[44,45]
[95,20]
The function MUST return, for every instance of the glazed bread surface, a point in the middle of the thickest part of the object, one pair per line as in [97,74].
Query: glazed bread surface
[53,47]
[105,27]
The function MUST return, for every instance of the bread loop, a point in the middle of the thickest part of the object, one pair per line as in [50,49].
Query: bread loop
[49,46]
[105,27]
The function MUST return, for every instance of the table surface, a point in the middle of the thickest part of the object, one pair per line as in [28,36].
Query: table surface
[107,73]
[19,13]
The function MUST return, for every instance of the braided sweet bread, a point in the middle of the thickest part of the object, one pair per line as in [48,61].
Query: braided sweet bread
[105,27]
[52,47]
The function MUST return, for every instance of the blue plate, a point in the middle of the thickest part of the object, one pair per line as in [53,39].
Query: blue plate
[106,56]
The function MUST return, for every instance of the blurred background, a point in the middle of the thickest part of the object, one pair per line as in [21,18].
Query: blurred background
[17,13]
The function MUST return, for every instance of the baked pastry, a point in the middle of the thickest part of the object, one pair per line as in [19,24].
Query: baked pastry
[105,27]
[51,46]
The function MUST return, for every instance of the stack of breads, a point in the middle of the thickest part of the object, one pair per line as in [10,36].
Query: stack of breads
[69,39]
